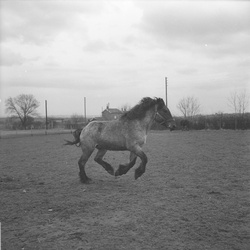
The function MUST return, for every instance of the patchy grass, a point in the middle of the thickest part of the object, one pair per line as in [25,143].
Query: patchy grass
[195,194]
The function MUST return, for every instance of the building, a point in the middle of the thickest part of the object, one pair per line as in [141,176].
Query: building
[111,113]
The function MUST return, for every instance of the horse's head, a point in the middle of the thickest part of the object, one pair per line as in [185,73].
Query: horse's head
[163,115]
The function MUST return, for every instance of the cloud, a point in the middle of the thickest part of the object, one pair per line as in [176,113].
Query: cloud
[95,46]
[55,77]
[175,25]
[187,71]
[111,51]
[38,22]
[10,58]
[98,45]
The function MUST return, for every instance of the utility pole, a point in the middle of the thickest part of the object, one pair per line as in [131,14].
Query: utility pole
[166,89]
[46,117]
[85,112]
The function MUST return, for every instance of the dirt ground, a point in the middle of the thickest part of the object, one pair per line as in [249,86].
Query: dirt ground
[195,194]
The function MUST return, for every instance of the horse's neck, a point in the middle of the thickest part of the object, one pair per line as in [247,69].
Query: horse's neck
[148,119]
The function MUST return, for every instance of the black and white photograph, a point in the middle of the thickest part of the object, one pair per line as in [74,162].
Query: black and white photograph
[124,124]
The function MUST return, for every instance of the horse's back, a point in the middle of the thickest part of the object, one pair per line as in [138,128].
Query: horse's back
[104,134]
[92,129]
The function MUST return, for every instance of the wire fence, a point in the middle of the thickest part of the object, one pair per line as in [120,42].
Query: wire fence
[32,132]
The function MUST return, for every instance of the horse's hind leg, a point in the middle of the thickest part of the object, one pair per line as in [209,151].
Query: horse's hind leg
[123,169]
[104,164]
[81,163]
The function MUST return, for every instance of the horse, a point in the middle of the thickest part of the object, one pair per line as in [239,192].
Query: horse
[76,134]
[127,133]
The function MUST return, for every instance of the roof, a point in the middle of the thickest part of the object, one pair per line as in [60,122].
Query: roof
[113,111]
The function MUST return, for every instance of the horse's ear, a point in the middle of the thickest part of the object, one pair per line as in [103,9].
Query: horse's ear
[160,103]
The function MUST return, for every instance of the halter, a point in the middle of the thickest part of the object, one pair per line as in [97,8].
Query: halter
[161,123]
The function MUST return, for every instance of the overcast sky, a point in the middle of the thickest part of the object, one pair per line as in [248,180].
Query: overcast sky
[118,52]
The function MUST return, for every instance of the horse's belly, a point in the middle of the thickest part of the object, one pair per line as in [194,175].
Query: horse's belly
[111,145]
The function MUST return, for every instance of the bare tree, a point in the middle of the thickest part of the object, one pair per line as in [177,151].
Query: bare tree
[232,101]
[189,106]
[239,103]
[125,107]
[243,102]
[24,106]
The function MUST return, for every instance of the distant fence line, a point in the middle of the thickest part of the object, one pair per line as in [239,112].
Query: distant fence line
[32,132]
[199,122]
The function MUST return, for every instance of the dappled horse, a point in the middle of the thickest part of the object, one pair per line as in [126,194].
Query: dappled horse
[129,132]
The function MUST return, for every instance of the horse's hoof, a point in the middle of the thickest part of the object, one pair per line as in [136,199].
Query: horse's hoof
[138,173]
[86,181]
[121,170]
[136,176]
[117,173]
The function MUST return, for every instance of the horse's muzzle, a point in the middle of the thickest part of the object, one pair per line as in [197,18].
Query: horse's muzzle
[172,125]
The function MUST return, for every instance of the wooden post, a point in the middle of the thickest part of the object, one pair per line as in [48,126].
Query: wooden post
[166,89]
[85,110]
[46,117]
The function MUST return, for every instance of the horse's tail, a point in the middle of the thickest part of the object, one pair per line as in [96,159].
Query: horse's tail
[72,142]
[76,135]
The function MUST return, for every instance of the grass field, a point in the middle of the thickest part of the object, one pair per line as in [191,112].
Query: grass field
[195,194]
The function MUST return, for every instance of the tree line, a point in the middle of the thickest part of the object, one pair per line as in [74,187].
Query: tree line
[239,119]
[24,107]
[215,121]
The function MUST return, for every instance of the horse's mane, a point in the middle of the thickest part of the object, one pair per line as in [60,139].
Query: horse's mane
[139,111]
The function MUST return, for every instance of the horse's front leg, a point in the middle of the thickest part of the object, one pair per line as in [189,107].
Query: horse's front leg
[123,169]
[141,169]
